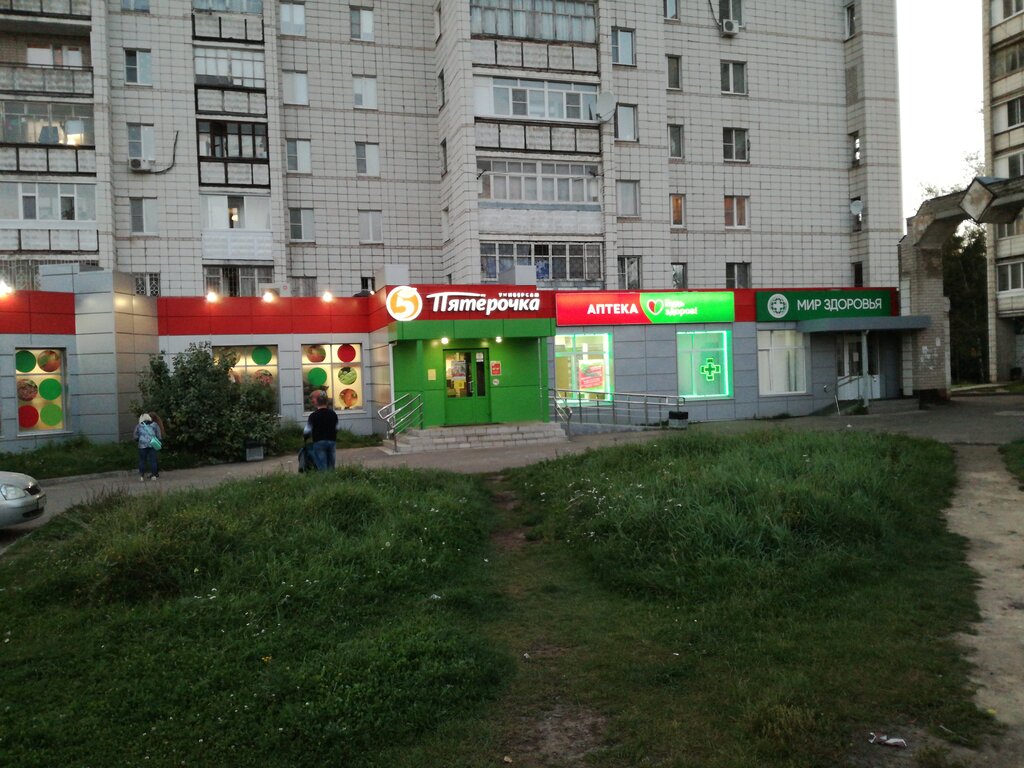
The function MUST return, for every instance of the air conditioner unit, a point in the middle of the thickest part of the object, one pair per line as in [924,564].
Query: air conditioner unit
[139,165]
[730,27]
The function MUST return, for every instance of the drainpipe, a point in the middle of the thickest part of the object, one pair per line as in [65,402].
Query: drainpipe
[865,376]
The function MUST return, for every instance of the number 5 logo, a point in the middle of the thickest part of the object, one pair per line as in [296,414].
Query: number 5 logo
[404,303]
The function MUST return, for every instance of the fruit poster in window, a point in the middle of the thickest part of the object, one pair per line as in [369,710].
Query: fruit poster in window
[39,385]
[336,369]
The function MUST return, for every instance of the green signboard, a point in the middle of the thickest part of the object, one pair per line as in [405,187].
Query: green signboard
[781,306]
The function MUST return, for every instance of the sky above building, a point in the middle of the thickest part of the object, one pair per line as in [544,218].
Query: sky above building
[941,94]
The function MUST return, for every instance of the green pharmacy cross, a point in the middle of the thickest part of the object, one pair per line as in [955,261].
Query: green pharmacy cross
[710,369]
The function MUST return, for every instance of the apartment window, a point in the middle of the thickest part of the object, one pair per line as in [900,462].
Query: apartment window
[237,281]
[138,67]
[362,24]
[737,274]
[856,214]
[628,193]
[734,77]
[25,122]
[444,157]
[141,142]
[140,6]
[731,9]
[437,22]
[622,46]
[672,9]
[563,20]
[230,67]
[300,225]
[625,122]
[554,262]
[299,154]
[537,98]
[677,209]
[676,147]
[855,149]
[1010,277]
[147,283]
[446,225]
[364,92]
[231,6]
[367,283]
[851,20]
[370,227]
[1007,60]
[735,145]
[781,362]
[293,19]
[143,215]
[736,211]
[1014,165]
[1012,229]
[538,182]
[232,140]
[858,274]
[367,159]
[629,273]
[47,202]
[1015,111]
[296,88]
[675,71]
[680,278]
[440,90]
[1010,7]
[221,212]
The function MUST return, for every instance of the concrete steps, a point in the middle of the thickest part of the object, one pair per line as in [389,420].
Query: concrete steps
[478,436]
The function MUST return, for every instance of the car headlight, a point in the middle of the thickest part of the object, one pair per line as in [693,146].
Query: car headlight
[12,492]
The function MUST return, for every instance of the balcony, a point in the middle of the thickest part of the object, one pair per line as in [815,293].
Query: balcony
[231,101]
[61,9]
[230,245]
[234,172]
[541,55]
[49,240]
[537,137]
[230,29]
[53,160]
[37,80]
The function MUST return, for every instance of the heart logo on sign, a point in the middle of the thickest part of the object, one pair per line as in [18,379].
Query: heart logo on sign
[654,306]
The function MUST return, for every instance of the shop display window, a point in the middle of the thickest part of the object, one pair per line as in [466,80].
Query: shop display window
[257,364]
[705,364]
[40,382]
[336,369]
[583,366]
[781,363]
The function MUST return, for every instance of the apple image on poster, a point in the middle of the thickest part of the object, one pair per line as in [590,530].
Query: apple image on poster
[49,360]
[316,353]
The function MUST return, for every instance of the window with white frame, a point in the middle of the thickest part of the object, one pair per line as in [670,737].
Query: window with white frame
[141,142]
[735,145]
[543,99]
[364,92]
[230,67]
[677,209]
[674,64]
[367,159]
[33,122]
[855,148]
[781,363]
[300,225]
[139,6]
[232,140]
[557,262]
[1011,7]
[293,19]
[371,227]
[362,24]
[231,280]
[1015,111]
[851,20]
[676,145]
[147,283]
[1012,229]
[303,285]
[220,212]
[1010,277]
[623,51]
[731,9]
[1008,59]
[29,201]
[737,274]
[538,182]
[230,6]
[628,198]
[625,122]
[299,155]
[296,87]
[629,273]
[736,210]
[568,20]
[142,211]
[672,9]
[734,77]
[680,276]
[138,66]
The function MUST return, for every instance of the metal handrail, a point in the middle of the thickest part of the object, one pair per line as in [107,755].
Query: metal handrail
[616,408]
[847,379]
[401,414]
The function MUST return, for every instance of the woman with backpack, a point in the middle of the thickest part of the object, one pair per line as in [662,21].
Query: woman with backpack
[148,436]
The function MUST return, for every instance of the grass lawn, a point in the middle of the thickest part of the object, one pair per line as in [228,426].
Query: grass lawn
[755,601]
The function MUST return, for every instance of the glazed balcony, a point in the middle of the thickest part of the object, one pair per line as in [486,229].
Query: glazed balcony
[43,240]
[54,160]
[229,28]
[234,172]
[59,9]
[39,79]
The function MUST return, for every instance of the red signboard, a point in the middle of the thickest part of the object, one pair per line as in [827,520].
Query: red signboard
[643,308]
[495,368]
[469,302]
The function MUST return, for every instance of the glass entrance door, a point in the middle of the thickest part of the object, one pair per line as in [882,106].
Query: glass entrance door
[465,375]
[850,367]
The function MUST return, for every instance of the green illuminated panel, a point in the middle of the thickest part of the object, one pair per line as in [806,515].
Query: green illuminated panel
[705,364]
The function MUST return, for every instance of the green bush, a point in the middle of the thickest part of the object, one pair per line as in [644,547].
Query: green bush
[204,411]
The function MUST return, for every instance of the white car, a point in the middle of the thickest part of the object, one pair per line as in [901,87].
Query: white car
[21,499]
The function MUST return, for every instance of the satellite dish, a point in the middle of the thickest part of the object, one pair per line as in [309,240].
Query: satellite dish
[604,107]
[856,207]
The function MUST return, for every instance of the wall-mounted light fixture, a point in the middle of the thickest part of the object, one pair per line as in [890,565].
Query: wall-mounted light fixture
[212,297]
[327,296]
[498,339]
[5,289]
[270,295]
[444,339]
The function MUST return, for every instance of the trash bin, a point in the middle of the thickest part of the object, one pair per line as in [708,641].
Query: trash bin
[253,451]
[678,419]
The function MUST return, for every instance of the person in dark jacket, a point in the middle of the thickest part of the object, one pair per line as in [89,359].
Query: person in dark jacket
[144,433]
[322,427]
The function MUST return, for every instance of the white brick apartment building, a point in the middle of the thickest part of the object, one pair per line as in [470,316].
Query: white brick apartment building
[229,143]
